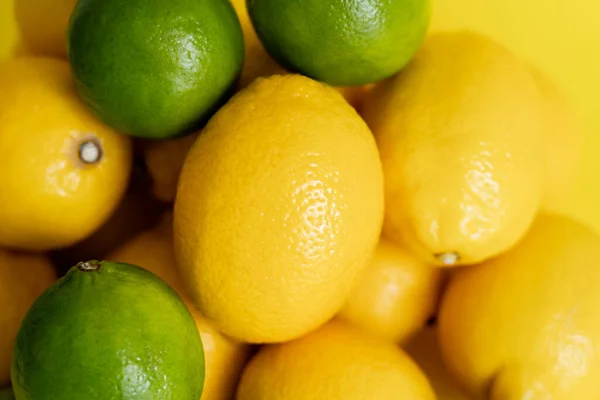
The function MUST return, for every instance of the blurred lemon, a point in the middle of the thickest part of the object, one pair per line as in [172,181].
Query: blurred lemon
[23,277]
[338,361]
[8,29]
[395,295]
[527,324]
[224,357]
[43,25]
[63,171]
[559,37]
[425,350]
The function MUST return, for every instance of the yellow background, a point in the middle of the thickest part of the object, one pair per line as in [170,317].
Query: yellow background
[562,37]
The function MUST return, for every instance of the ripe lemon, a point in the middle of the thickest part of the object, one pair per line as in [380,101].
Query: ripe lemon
[43,25]
[563,140]
[164,160]
[23,277]
[224,357]
[527,324]
[343,43]
[338,361]
[63,171]
[8,29]
[459,131]
[395,295]
[153,68]
[425,351]
[279,208]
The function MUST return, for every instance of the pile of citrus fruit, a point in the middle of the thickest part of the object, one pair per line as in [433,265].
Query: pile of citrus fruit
[286,200]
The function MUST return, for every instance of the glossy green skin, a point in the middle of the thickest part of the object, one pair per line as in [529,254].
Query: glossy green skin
[155,68]
[116,333]
[341,42]
[6,394]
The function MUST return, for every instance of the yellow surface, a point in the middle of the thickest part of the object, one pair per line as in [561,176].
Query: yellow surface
[338,361]
[561,37]
[49,197]
[224,357]
[524,325]
[279,208]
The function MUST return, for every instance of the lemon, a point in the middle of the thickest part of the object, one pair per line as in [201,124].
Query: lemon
[224,358]
[23,277]
[563,140]
[43,25]
[459,132]
[337,361]
[425,350]
[395,295]
[343,43]
[8,29]
[527,324]
[279,208]
[63,171]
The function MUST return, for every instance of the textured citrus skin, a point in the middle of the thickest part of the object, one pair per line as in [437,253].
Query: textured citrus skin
[43,25]
[341,42]
[23,277]
[395,295]
[279,208]
[527,324]
[425,351]
[177,59]
[224,357]
[563,140]
[120,332]
[460,137]
[338,361]
[49,198]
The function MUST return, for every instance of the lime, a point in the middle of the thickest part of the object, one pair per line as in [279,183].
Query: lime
[341,42]
[155,68]
[108,331]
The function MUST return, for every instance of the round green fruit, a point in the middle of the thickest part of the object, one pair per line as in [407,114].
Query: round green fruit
[153,68]
[108,331]
[341,42]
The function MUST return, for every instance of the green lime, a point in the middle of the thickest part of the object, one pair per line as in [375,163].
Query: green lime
[155,68]
[108,331]
[6,394]
[341,42]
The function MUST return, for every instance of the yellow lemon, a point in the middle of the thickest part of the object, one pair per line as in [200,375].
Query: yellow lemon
[224,357]
[395,295]
[63,171]
[459,131]
[8,29]
[424,349]
[23,277]
[43,24]
[164,160]
[279,208]
[527,324]
[566,54]
[337,361]
[563,140]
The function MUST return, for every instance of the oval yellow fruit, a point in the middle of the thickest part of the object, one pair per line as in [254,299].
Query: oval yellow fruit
[224,358]
[279,208]
[63,171]
[395,295]
[459,131]
[527,324]
[338,361]
[23,277]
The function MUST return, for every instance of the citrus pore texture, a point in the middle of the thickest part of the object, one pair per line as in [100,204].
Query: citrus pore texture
[341,42]
[279,208]
[152,68]
[116,333]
